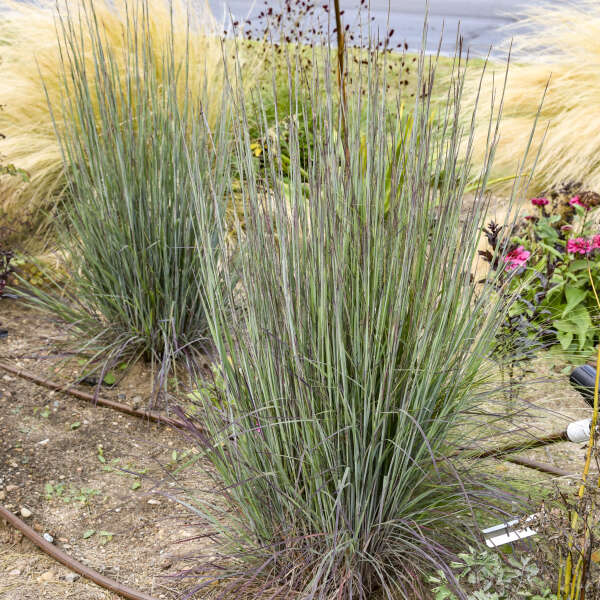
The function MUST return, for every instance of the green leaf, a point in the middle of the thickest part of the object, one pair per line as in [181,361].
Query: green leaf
[136,485]
[75,425]
[88,534]
[565,326]
[107,536]
[551,250]
[581,317]
[574,297]
[578,265]
[109,378]
[565,339]
[554,291]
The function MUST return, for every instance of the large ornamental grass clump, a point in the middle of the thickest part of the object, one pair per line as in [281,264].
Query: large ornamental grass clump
[131,116]
[556,51]
[355,347]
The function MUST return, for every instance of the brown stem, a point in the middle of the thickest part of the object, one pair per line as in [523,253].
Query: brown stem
[149,415]
[342,79]
[69,561]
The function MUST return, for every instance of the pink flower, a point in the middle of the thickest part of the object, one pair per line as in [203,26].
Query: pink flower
[530,218]
[579,245]
[575,201]
[566,227]
[516,258]
[540,201]
[595,242]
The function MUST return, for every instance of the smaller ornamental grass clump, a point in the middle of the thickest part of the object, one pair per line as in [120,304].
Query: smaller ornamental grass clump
[147,170]
[551,255]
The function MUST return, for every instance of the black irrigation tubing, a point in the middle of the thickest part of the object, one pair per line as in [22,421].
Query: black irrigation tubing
[500,451]
[505,452]
[118,406]
[74,565]
[539,466]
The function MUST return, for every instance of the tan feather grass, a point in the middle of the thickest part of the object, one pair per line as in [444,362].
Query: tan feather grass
[29,54]
[561,50]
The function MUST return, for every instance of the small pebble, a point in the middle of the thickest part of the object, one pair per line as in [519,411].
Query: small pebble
[44,442]
[25,512]
[2,495]
[48,538]
[47,576]
[154,501]
[15,572]
[71,577]
[12,488]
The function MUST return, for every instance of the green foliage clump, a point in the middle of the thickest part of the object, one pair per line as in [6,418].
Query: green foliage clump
[551,268]
[490,576]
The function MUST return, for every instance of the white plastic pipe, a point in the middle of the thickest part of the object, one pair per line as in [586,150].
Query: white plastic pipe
[579,431]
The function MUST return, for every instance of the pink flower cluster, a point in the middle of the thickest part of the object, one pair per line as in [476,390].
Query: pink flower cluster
[575,201]
[580,245]
[516,258]
[540,201]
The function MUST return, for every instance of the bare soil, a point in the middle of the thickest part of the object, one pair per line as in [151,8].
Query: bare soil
[64,460]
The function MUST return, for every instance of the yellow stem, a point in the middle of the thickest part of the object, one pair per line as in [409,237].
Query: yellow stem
[573,579]
[576,578]
[568,571]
